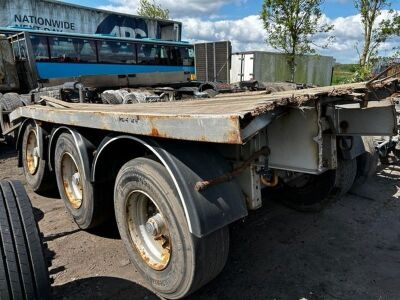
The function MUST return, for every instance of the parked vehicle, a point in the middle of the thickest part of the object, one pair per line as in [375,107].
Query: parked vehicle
[177,174]
[53,58]
[94,69]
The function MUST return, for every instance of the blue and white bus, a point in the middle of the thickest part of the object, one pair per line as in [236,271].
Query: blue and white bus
[57,57]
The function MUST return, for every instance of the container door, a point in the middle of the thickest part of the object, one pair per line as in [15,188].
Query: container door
[248,67]
[236,68]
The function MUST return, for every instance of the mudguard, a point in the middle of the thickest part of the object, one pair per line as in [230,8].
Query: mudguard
[188,163]
[81,143]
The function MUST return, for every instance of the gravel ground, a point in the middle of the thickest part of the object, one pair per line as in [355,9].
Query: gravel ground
[349,251]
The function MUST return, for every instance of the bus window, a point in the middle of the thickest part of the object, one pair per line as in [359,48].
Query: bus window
[187,54]
[62,50]
[178,56]
[40,49]
[72,50]
[86,50]
[116,52]
[175,56]
[153,55]
[19,49]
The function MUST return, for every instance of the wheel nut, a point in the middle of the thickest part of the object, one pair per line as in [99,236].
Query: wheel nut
[151,229]
[76,178]
[155,225]
[36,152]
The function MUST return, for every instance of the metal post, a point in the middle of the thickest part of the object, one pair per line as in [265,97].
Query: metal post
[215,63]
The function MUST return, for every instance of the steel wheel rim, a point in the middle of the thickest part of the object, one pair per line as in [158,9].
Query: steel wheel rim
[72,182]
[32,152]
[148,230]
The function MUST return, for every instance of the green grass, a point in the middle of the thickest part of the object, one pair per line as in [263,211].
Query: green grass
[343,73]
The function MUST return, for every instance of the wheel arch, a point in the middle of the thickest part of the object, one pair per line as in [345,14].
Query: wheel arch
[81,143]
[187,163]
[40,136]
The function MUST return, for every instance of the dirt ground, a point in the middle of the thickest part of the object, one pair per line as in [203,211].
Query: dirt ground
[349,251]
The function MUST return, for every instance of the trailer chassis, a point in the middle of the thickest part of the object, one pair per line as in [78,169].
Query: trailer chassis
[176,174]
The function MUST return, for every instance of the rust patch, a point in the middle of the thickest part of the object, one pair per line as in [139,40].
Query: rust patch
[202,185]
[165,256]
[234,137]
[154,132]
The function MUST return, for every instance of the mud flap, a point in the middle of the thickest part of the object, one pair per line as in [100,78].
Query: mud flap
[216,206]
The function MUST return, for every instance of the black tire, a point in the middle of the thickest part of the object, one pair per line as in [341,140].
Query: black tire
[131,99]
[91,212]
[367,163]
[345,175]
[193,261]
[316,191]
[8,103]
[113,97]
[23,269]
[211,93]
[11,101]
[41,179]
[26,99]
[5,125]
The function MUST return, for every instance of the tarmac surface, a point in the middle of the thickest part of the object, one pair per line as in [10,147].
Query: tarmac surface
[351,250]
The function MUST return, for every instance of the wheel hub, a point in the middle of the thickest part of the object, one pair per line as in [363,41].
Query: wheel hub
[32,153]
[155,225]
[72,182]
[148,231]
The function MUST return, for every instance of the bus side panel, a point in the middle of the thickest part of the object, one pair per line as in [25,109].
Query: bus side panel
[48,70]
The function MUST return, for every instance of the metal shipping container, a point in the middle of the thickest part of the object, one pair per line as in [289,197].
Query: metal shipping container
[273,67]
[64,17]
[213,61]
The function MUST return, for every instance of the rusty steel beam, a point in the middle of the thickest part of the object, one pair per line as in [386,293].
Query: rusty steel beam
[203,128]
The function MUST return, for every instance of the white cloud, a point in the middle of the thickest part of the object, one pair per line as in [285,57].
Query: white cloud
[349,35]
[248,34]
[201,23]
[177,8]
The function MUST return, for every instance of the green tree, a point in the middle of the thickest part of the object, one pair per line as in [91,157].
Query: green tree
[292,25]
[391,27]
[374,34]
[151,9]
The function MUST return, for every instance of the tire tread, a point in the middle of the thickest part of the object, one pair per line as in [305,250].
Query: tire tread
[210,252]
[23,272]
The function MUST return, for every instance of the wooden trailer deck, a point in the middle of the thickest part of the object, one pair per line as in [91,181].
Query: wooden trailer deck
[228,118]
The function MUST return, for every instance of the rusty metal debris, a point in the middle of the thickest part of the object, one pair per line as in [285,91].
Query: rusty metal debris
[202,185]
[385,73]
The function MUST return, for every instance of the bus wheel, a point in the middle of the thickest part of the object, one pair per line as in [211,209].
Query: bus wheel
[23,268]
[312,193]
[76,191]
[153,227]
[36,170]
